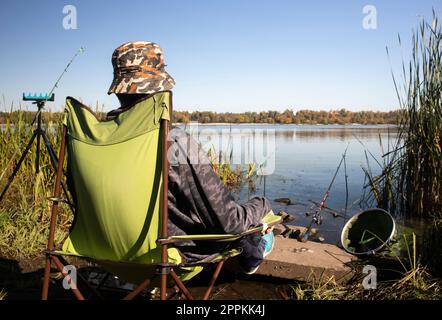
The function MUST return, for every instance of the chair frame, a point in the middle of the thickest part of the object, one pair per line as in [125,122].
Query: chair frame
[163,269]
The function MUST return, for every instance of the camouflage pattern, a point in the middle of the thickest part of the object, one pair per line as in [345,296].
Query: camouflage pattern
[199,203]
[139,68]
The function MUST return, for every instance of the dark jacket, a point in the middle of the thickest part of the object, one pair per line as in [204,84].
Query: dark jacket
[199,203]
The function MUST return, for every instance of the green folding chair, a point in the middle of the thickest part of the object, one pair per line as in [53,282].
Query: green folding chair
[117,174]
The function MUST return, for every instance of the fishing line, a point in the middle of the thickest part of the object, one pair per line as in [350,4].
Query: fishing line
[55,86]
[346,187]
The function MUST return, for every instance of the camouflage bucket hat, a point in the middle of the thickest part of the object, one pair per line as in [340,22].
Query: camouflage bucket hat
[139,68]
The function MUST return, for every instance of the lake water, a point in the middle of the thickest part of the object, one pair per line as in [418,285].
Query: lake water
[305,158]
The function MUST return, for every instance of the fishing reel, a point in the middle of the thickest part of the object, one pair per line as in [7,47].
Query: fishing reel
[304,236]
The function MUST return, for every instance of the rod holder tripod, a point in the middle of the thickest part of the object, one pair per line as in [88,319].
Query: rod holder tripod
[38,134]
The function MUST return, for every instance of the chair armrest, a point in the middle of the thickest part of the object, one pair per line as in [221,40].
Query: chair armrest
[270,220]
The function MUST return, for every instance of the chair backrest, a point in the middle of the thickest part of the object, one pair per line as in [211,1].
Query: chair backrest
[115,176]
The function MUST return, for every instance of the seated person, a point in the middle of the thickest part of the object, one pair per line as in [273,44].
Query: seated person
[199,203]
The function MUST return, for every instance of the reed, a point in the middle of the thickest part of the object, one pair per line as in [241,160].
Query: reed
[416,162]
[410,185]
[2,295]
[233,177]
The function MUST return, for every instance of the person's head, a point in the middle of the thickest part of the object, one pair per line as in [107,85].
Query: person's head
[139,70]
[127,99]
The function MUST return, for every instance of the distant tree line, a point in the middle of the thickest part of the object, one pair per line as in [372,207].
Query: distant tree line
[342,116]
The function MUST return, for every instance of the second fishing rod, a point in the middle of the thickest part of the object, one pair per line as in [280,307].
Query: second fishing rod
[317,218]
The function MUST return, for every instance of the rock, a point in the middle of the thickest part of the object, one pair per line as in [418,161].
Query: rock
[280,229]
[285,201]
[295,234]
[286,217]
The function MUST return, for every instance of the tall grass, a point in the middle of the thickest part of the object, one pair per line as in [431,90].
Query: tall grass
[410,184]
[421,126]
[231,176]
[2,294]
[414,173]
[24,212]
[411,180]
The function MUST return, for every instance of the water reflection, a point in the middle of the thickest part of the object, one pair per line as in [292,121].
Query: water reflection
[344,134]
[291,132]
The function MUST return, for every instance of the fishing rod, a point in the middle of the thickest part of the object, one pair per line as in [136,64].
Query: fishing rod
[42,99]
[317,218]
[38,134]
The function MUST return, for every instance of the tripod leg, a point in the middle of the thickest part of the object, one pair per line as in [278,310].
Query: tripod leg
[50,148]
[17,166]
[38,132]
[37,154]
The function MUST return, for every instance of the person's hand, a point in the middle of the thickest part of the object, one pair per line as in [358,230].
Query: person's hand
[266,229]
[269,229]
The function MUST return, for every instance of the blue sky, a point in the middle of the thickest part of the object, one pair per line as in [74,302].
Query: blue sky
[243,55]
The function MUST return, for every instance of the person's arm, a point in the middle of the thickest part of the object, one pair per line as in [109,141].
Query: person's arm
[202,195]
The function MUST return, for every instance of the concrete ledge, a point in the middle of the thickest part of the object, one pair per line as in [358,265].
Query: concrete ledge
[291,259]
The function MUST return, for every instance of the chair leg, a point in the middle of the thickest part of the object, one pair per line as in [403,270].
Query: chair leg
[59,266]
[173,294]
[181,285]
[137,290]
[213,280]
[45,290]
[54,212]
[163,287]
[84,281]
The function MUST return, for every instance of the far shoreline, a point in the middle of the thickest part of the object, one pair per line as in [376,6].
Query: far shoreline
[282,124]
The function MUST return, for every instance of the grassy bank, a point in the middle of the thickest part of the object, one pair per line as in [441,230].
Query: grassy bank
[399,277]
[417,284]
[24,212]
